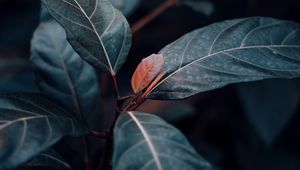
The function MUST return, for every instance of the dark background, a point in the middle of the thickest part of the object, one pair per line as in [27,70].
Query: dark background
[249,126]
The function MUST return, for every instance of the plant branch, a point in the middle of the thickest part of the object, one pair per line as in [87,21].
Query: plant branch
[152,15]
[101,134]
[85,154]
[136,104]
[105,162]
[116,87]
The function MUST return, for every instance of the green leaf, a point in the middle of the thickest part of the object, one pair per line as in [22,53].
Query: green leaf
[144,141]
[15,71]
[48,159]
[10,68]
[63,75]
[30,123]
[233,51]
[96,30]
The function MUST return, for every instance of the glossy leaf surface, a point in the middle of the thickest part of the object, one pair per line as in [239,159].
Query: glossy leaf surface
[96,30]
[228,52]
[146,71]
[144,141]
[30,123]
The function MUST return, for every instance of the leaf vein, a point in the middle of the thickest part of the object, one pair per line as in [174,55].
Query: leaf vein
[255,29]
[148,140]
[222,51]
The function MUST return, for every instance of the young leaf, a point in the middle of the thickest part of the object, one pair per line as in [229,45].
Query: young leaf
[146,71]
[96,30]
[144,141]
[48,159]
[154,82]
[228,52]
[30,123]
[63,75]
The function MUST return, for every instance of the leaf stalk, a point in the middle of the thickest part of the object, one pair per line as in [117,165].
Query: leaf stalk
[153,14]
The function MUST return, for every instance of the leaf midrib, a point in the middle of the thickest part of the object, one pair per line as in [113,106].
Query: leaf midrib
[68,78]
[148,140]
[222,51]
[98,37]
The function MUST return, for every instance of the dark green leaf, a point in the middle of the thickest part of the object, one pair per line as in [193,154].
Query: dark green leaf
[63,75]
[29,123]
[228,52]
[9,68]
[68,80]
[96,30]
[44,14]
[144,141]
[13,72]
[49,159]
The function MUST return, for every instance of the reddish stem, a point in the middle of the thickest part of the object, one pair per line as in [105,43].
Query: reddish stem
[153,14]
[136,104]
[116,87]
[105,162]
[86,154]
[101,135]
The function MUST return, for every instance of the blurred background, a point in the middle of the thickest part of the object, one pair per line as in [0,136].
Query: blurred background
[248,126]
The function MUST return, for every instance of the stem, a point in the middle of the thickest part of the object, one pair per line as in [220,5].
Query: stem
[152,15]
[85,152]
[105,161]
[100,135]
[126,97]
[116,87]
[136,105]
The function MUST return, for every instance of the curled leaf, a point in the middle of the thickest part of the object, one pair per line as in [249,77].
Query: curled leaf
[146,71]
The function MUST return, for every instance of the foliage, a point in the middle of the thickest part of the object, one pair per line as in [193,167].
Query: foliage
[95,37]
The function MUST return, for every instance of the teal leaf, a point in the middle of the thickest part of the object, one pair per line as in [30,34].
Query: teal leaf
[144,141]
[63,75]
[29,124]
[227,52]
[96,30]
